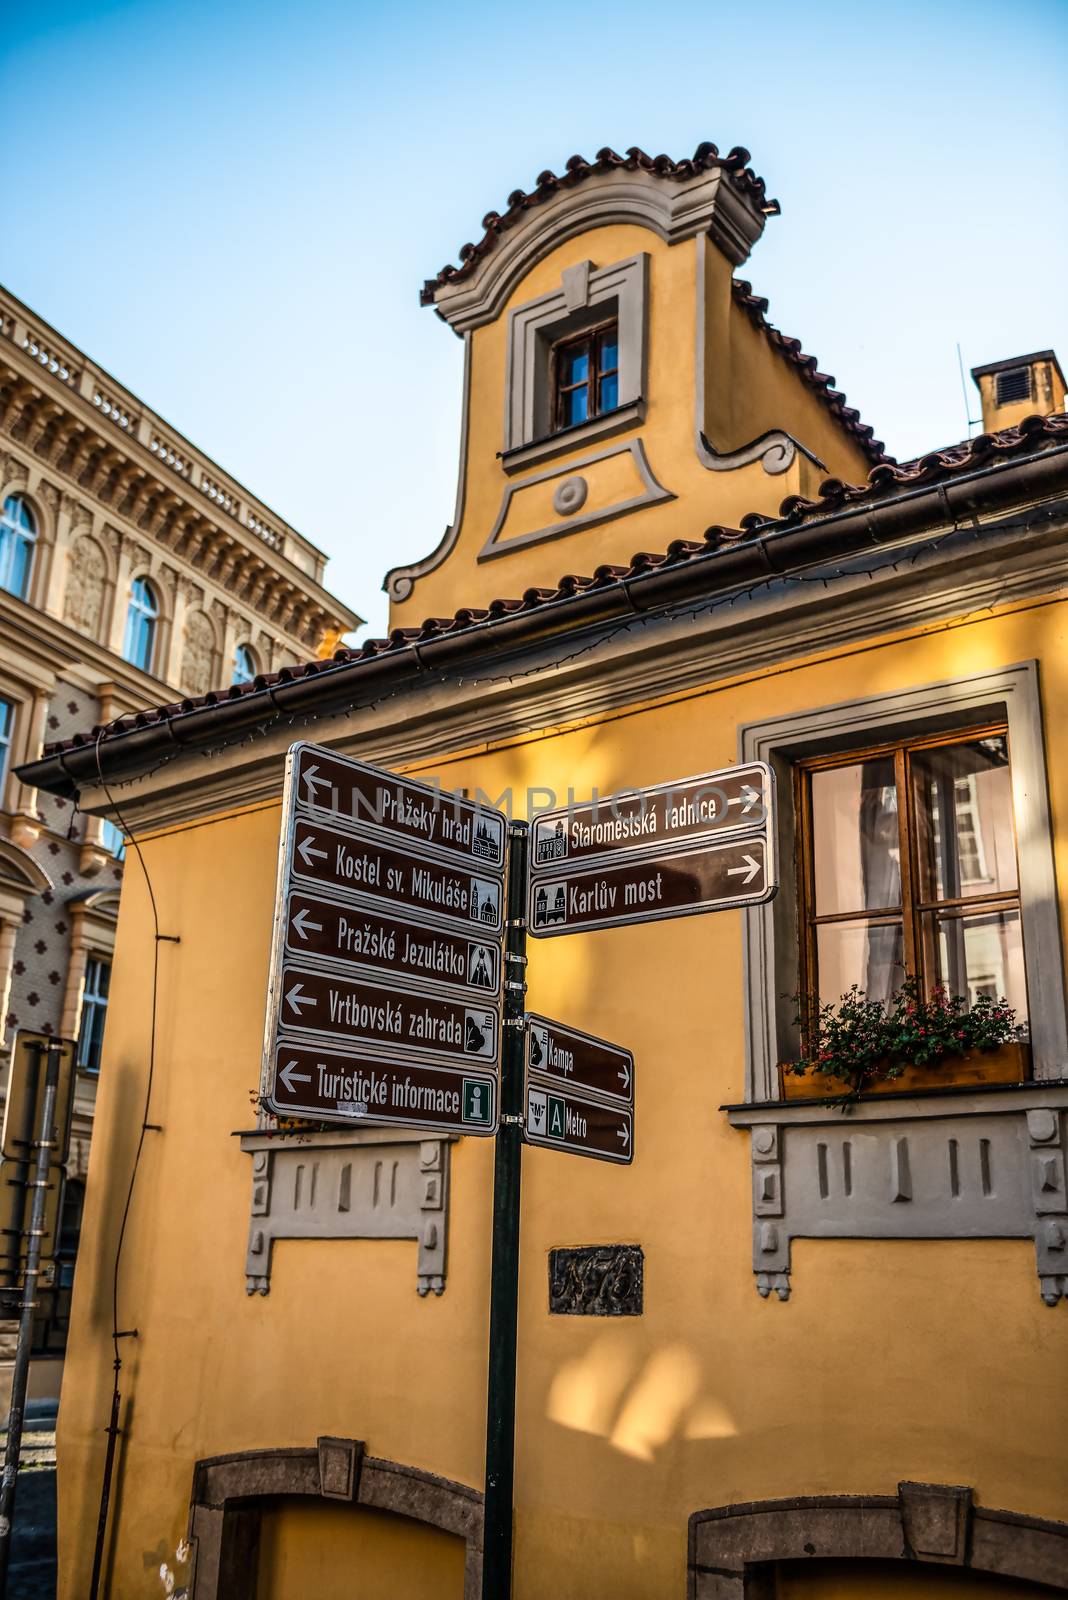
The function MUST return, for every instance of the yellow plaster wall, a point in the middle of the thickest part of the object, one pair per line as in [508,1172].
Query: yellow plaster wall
[934,1361]
[893,1580]
[329,1552]
[749,390]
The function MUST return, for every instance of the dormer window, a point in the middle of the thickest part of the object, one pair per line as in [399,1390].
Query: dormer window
[586,372]
[576,362]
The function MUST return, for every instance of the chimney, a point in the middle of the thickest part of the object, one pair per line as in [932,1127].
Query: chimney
[1020,387]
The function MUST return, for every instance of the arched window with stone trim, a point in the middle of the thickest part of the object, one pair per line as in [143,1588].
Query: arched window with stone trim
[18,540]
[246,666]
[142,625]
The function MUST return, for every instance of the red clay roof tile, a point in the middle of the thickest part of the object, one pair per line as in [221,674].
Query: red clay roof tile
[885,481]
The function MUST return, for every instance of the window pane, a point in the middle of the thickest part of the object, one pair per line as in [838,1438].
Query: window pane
[856,843]
[609,351]
[610,392]
[576,364]
[869,954]
[575,406]
[977,952]
[963,798]
[244,665]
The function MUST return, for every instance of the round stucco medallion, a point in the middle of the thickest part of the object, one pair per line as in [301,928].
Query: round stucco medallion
[570,496]
[764,1140]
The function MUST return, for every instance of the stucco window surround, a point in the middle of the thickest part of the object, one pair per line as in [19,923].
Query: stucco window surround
[231,1493]
[21,879]
[587,296]
[93,918]
[29,702]
[941,1163]
[734,1550]
[770,932]
[43,543]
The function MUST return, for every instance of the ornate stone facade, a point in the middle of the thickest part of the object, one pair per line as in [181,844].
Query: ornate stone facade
[113,495]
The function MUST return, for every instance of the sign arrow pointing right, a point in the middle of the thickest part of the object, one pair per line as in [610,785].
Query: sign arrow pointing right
[624,1075]
[750,870]
[289,1076]
[623,1134]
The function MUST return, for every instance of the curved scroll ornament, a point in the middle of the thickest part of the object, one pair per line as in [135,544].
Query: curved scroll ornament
[400,581]
[196,657]
[776,451]
[83,603]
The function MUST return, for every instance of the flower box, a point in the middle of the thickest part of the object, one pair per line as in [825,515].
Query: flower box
[1009,1063]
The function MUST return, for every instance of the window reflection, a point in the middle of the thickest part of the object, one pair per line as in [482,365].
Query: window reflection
[963,799]
[870,954]
[977,953]
[912,872]
[856,840]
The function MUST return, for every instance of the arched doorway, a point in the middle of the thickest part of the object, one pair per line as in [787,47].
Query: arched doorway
[781,1549]
[248,1505]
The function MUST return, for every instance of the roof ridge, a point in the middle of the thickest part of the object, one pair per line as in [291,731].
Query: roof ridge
[755,306]
[834,494]
[577,169]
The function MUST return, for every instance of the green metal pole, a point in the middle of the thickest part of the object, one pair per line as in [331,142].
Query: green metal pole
[504,1272]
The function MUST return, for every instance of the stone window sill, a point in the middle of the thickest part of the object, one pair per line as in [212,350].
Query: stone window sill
[975,1162]
[574,438]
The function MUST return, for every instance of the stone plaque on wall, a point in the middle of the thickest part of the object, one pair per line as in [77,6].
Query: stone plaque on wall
[601,1280]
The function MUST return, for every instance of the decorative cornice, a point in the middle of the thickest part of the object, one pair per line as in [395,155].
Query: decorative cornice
[63,410]
[677,201]
[594,672]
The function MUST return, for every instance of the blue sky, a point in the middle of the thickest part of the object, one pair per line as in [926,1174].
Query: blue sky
[232,207]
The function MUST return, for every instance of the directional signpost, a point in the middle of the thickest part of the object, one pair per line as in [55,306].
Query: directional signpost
[397,967]
[702,844]
[384,1000]
[579,1092]
[666,814]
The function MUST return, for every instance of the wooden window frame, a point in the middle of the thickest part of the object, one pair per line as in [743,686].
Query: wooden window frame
[912,909]
[592,337]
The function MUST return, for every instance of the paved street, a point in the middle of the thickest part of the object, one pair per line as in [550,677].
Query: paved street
[33,1567]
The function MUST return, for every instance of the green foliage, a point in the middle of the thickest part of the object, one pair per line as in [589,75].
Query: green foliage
[861,1041]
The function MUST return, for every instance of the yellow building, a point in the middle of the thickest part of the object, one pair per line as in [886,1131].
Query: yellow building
[835,1363]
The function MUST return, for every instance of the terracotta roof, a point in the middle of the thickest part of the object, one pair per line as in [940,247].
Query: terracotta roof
[754,306]
[886,482]
[706,158]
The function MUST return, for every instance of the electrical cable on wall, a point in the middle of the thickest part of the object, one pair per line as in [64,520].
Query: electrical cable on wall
[116,1332]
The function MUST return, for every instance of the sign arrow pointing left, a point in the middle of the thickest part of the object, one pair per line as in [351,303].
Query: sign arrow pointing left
[314,782]
[306,851]
[289,1076]
[298,998]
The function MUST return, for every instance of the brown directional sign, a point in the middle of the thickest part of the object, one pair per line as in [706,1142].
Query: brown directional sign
[562,1120]
[373,1014]
[309,1081]
[383,1003]
[667,814]
[396,877]
[648,886]
[16,1201]
[392,946]
[558,1056]
[335,786]
[25,1094]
